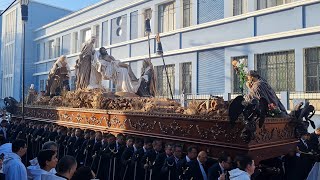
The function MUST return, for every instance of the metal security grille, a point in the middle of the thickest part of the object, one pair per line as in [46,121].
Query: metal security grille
[166,17]
[235,77]
[312,69]
[239,7]
[210,10]
[278,69]
[211,72]
[185,84]
[186,13]
[162,85]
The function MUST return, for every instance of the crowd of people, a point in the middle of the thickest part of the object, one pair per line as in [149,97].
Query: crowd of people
[34,150]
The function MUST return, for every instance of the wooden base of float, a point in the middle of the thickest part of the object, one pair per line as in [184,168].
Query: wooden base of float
[213,135]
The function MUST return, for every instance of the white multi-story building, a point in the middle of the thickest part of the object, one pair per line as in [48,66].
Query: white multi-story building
[11,44]
[279,38]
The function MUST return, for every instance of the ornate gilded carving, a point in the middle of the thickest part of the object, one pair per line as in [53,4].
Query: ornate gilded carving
[174,128]
[65,117]
[78,118]
[142,124]
[114,122]
[93,120]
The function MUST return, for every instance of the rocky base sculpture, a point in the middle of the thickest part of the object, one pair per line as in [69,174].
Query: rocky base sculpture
[100,99]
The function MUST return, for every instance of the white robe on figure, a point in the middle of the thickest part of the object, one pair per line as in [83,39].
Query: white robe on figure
[105,70]
[13,168]
[34,171]
[315,172]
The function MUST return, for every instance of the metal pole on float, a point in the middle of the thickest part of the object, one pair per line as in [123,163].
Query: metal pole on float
[160,52]
[148,31]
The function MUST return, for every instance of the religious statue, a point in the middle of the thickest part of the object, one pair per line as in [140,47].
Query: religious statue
[32,95]
[148,80]
[259,88]
[106,67]
[58,77]
[83,64]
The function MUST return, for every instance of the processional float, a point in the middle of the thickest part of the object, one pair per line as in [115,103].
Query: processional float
[213,125]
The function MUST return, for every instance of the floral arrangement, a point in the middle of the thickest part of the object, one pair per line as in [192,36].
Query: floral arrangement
[273,110]
[242,70]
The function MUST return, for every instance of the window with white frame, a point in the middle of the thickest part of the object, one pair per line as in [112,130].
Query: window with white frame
[66,44]
[42,85]
[8,53]
[146,15]
[312,69]
[75,45]
[186,13]
[235,77]
[166,17]
[185,84]
[38,51]
[57,49]
[262,4]
[278,69]
[162,82]
[240,7]
[105,30]
[73,83]
[86,35]
[97,35]
[51,49]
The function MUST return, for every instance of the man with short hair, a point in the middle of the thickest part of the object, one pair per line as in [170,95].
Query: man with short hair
[65,169]
[245,169]
[170,164]
[182,163]
[34,167]
[198,168]
[218,170]
[13,168]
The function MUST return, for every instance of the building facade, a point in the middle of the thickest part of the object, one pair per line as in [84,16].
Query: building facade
[200,38]
[11,44]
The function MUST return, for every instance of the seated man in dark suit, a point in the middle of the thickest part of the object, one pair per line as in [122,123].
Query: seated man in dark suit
[198,168]
[219,169]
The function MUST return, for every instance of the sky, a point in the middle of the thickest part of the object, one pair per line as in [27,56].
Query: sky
[73,5]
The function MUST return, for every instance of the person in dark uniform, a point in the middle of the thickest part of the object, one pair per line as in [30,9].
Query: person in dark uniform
[314,140]
[128,165]
[198,167]
[169,167]
[220,169]
[148,161]
[182,168]
[86,148]
[305,155]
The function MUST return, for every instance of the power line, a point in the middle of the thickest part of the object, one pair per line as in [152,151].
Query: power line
[8,7]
